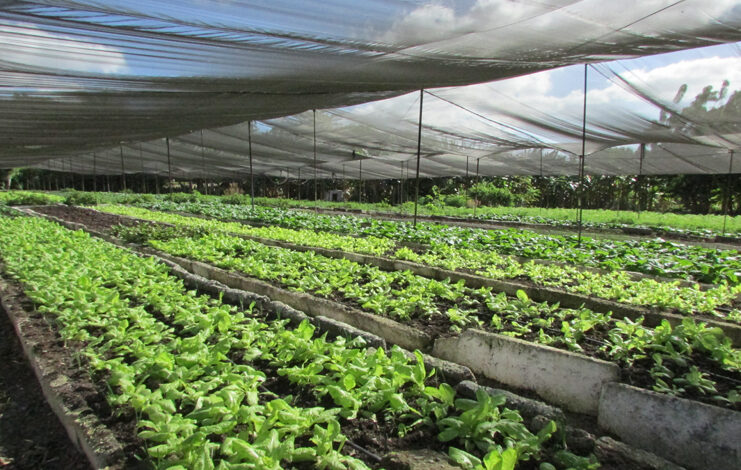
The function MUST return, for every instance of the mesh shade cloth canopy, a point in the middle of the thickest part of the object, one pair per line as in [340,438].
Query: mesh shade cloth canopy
[87,81]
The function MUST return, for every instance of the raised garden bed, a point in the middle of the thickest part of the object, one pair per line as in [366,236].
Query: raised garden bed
[591,394]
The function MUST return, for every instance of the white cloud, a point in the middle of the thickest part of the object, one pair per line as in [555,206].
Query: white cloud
[536,91]
[435,22]
[697,74]
[28,47]
[536,96]
[507,29]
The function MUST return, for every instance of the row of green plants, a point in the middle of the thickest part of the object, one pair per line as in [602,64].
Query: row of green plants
[708,225]
[193,370]
[655,257]
[28,198]
[680,224]
[700,359]
[617,285]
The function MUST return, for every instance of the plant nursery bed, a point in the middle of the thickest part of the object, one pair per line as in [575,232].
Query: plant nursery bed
[417,334]
[574,381]
[649,294]
[575,373]
[540,293]
[174,355]
[721,241]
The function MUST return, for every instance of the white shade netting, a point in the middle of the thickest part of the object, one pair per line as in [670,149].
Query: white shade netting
[94,87]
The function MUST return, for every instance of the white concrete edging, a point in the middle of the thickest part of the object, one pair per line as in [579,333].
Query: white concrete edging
[694,434]
[570,380]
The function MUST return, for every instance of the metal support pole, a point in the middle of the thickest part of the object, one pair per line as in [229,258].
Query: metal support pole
[123,170]
[65,183]
[169,164]
[476,201]
[316,190]
[641,156]
[401,189]
[419,154]
[540,210]
[360,182]
[298,183]
[465,185]
[95,172]
[252,175]
[141,165]
[580,203]
[203,165]
[728,191]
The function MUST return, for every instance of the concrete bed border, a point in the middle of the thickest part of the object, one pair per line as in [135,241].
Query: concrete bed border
[698,435]
[558,376]
[570,380]
[84,429]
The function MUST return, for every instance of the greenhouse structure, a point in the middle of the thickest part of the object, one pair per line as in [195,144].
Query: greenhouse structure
[391,234]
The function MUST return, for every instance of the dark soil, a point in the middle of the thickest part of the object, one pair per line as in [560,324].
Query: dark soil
[31,436]
[92,219]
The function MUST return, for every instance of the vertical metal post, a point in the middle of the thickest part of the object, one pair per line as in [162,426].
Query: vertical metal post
[419,154]
[476,201]
[65,184]
[360,182]
[540,210]
[641,156]
[141,168]
[465,184]
[123,170]
[169,164]
[298,183]
[203,165]
[252,175]
[95,172]
[401,189]
[580,203]
[728,191]
[316,190]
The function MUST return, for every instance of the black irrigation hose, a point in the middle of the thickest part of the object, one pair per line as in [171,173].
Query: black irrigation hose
[363,450]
